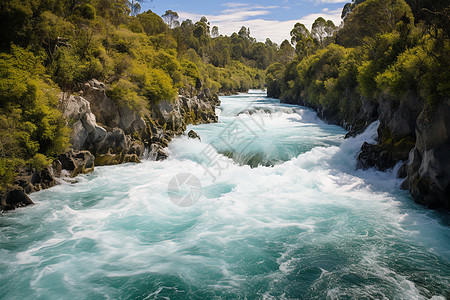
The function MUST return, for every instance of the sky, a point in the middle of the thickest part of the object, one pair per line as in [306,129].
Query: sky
[266,19]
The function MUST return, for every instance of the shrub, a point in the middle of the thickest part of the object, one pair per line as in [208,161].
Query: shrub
[125,93]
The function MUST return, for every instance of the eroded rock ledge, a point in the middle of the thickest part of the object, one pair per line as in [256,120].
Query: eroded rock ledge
[105,133]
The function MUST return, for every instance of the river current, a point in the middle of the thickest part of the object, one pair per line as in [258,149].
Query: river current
[268,205]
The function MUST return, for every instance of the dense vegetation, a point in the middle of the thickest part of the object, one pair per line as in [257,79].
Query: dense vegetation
[50,46]
[383,47]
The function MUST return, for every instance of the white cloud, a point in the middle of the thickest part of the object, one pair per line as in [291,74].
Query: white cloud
[234,4]
[332,1]
[238,15]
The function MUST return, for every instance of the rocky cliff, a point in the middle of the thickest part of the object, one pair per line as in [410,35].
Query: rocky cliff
[411,130]
[105,133]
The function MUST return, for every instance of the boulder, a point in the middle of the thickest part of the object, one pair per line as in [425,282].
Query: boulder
[32,180]
[86,134]
[193,135]
[14,198]
[158,152]
[104,108]
[374,156]
[77,162]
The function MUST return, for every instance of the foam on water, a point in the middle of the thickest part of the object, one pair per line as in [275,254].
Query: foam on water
[303,224]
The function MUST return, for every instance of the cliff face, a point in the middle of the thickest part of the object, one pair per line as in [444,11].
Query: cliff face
[428,165]
[104,133]
[116,134]
[411,131]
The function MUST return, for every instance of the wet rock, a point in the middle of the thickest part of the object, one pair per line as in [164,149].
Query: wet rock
[374,156]
[169,118]
[367,114]
[158,153]
[396,132]
[428,165]
[193,135]
[15,197]
[77,162]
[403,171]
[32,180]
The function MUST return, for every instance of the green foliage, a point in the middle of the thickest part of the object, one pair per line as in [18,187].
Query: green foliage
[274,80]
[151,23]
[59,45]
[125,93]
[8,170]
[66,68]
[190,71]
[155,84]
[39,161]
[381,51]
[374,18]
[31,126]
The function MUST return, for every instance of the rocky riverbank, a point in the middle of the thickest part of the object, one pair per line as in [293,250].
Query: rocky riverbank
[410,130]
[106,133]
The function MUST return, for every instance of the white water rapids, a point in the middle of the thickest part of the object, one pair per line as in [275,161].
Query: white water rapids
[279,212]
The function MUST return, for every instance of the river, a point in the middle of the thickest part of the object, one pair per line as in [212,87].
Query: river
[268,205]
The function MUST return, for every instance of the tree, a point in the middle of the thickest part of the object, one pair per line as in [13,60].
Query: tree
[135,6]
[322,30]
[286,52]
[269,42]
[318,30]
[348,7]
[170,17]
[215,32]
[151,23]
[244,32]
[371,19]
[302,40]
[299,33]
[330,29]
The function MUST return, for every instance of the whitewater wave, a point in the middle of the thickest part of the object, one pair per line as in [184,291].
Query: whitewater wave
[311,226]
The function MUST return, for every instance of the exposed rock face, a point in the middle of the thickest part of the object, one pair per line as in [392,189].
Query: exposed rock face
[414,132]
[396,133]
[373,155]
[411,131]
[105,133]
[169,118]
[109,146]
[428,166]
[32,180]
[108,113]
[367,114]
[14,198]
[177,114]
[76,162]
[106,129]
[86,132]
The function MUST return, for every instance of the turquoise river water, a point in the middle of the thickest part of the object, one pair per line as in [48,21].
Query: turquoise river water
[272,208]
